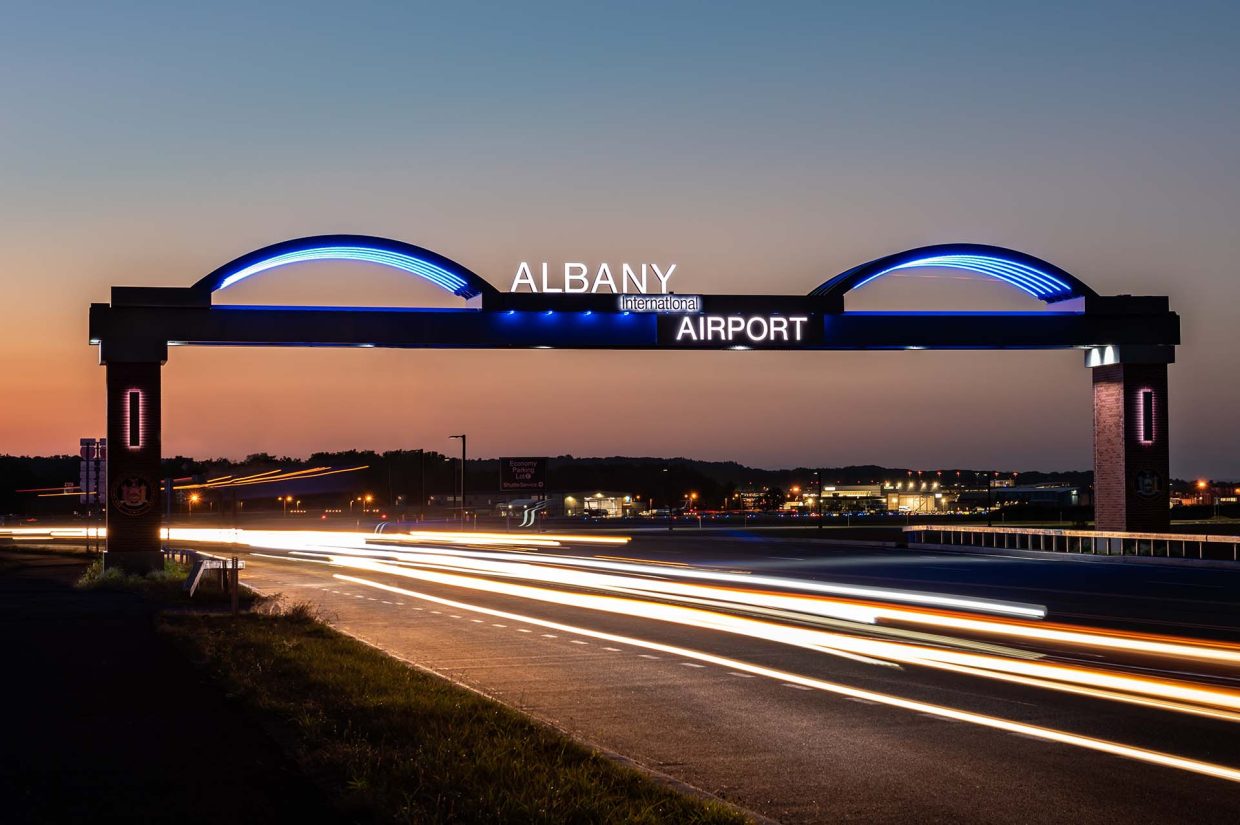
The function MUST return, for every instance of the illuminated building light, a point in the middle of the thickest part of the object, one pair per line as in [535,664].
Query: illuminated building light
[1145,416]
[134,416]
[434,273]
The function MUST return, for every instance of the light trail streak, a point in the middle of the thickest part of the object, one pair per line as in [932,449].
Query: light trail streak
[1036,731]
[659,579]
[750,581]
[1068,676]
[521,566]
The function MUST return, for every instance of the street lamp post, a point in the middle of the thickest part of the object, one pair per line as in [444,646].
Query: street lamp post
[421,484]
[667,496]
[463,441]
[818,473]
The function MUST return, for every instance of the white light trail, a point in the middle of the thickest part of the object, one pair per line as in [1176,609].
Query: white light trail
[1036,731]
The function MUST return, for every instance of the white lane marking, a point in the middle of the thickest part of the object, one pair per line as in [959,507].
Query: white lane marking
[859,700]
[1166,760]
[475,621]
[648,656]
[803,687]
[493,624]
[385,601]
[691,664]
[524,630]
[550,636]
[613,649]
[578,642]
[742,675]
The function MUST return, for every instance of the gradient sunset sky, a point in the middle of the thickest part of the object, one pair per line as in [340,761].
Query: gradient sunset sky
[762,147]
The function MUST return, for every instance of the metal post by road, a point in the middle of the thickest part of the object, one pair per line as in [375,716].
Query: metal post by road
[236,585]
[819,474]
[667,495]
[463,441]
[990,498]
[421,484]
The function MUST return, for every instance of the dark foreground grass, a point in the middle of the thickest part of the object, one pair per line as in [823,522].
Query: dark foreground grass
[391,743]
[165,585]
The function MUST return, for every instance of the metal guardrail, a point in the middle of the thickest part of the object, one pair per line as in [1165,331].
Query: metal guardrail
[227,568]
[1087,542]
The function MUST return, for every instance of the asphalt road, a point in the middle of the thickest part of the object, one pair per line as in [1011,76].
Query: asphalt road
[805,734]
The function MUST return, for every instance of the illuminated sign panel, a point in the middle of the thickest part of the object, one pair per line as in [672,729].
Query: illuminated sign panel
[578,277]
[746,330]
[661,303]
[1145,416]
[524,473]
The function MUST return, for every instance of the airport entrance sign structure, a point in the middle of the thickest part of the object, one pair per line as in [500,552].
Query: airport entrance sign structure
[1127,342]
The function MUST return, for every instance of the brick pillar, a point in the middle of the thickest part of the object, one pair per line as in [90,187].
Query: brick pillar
[1131,464]
[133,466]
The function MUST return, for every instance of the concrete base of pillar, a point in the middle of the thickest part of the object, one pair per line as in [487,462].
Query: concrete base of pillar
[140,562]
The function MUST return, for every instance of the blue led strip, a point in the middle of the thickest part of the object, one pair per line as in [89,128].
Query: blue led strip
[1035,282]
[416,266]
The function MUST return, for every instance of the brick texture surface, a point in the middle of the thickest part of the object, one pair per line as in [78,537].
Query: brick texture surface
[1131,475]
[133,530]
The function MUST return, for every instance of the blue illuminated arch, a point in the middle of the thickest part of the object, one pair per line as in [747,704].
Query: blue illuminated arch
[1032,275]
[438,270]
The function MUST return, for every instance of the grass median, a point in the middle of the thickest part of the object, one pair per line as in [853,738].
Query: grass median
[392,743]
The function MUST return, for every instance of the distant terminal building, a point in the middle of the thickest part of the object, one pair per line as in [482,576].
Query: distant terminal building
[919,497]
[611,503]
[850,498]
[892,496]
[1053,494]
[600,503]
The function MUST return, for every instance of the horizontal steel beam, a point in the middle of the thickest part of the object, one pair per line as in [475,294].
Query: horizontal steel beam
[126,332]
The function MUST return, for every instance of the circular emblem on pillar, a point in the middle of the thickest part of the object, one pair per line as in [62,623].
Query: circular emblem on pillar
[1148,483]
[132,495]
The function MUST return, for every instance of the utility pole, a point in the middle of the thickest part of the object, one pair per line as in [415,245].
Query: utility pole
[667,494]
[421,484]
[463,440]
[990,499]
[819,474]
